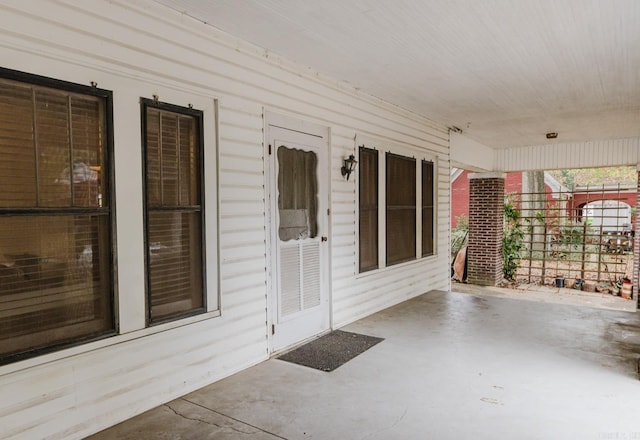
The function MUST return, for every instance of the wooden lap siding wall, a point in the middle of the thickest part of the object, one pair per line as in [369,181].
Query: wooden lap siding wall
[138,49]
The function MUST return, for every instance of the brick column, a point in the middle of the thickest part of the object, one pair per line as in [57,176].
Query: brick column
[486,212]
[636,247]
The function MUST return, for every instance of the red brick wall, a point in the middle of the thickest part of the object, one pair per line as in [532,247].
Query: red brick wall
[486,210]
[513,183]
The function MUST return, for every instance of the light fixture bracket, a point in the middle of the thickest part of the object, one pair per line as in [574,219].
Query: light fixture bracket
[348,166]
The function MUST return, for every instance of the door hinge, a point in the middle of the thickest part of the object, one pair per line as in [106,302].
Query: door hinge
[269,149]
[273,329]
[328,211]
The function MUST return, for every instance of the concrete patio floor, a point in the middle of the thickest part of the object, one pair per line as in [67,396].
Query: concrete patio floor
[548,294]
[452,366]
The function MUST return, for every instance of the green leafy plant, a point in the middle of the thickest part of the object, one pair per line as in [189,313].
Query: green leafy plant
[512,241]
[570,234]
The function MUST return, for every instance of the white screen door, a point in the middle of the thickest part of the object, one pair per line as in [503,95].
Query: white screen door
[299,201]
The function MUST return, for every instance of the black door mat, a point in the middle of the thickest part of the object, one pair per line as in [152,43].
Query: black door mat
[330,351]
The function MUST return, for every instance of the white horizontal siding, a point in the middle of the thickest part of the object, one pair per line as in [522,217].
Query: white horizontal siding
[137,48]
[604,153]
[354,295]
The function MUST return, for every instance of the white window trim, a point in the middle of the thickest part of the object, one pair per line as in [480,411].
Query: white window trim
[129,293]
[129,222]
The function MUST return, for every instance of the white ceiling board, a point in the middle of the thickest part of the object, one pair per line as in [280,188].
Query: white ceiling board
[504,71]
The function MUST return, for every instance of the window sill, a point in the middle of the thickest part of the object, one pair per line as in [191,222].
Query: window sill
[104,343]
[383,270]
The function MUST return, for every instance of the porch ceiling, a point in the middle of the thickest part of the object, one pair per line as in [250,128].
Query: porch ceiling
[506,72]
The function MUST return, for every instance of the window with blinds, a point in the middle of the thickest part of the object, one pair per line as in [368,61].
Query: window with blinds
[56,257]
[428,219]
[173,149]
[368,209]
[400,208]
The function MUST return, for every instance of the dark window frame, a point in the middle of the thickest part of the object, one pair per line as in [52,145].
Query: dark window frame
[391,209]
[428,204]
[375,208]
[422,252]
[108,160]
[146,103]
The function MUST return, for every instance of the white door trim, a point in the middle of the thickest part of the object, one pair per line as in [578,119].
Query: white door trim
[293,124]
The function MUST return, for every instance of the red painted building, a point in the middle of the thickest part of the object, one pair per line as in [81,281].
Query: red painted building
[512,184]
[582,201]
[613,201]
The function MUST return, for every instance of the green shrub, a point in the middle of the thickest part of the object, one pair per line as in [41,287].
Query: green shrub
[512,238]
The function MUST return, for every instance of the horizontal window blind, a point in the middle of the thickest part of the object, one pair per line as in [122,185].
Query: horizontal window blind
[428,219]
[174,214]
[400,208]
[368,209]
[55,219]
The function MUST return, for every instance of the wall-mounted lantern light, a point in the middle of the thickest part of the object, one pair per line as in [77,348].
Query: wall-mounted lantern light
[348,166]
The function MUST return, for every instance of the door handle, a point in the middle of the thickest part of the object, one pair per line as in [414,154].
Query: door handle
[323,238]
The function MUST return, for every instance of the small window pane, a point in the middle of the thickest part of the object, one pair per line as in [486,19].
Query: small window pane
[17,154]
[427,208]
[189,172]
[88,189]
[153,158]
[169,158]
[297,194]
[368,209]
[52,146]
[175,266]
[401,208]
[54,280]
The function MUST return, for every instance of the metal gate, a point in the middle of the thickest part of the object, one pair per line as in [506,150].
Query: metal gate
[578,236]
